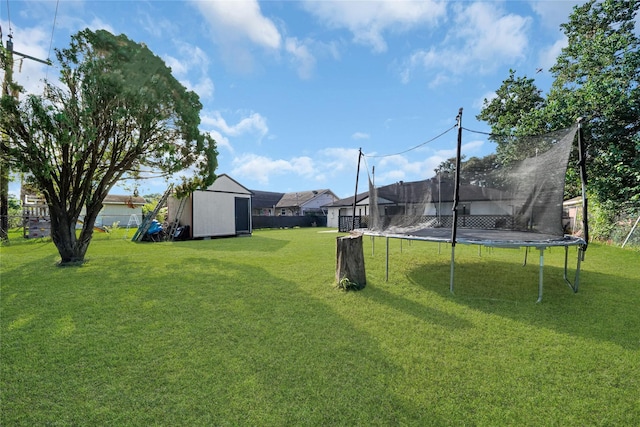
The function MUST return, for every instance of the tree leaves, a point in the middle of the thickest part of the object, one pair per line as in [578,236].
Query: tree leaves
[596,76]
[116,110]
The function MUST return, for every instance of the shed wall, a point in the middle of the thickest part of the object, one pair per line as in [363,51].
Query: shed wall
[214,214]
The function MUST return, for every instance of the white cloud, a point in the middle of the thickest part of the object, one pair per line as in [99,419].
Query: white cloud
[157,27]
[479,102]
[483,38]
[99,24]
[323,165]
[192,62]
[472,147]
[203,87]
[548,56]
[254,123]
[360,135]
[337,160]
[240,19]
[368,21]
[238,26]
[261,169]
[221,140]
[554,13]
[301,56]
[399,167]
[488,32]
[178,67]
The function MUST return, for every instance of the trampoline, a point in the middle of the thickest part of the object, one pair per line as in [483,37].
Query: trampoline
[508,199]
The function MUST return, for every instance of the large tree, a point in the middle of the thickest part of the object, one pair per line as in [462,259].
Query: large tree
[116,113]
[597,77]
[508,115]
[515,99]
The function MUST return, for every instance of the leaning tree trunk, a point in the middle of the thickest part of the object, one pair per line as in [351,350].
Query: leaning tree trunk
[350,272]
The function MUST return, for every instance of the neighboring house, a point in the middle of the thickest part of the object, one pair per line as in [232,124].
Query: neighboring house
[429,198]
[572,215]
[434,198]
[263,203]
[343,208]
[304,202]
[118,209]
[223,209]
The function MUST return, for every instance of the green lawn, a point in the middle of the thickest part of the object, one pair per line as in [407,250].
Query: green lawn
[251,331]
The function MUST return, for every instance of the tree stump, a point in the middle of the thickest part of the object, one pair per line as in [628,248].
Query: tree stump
[350,272]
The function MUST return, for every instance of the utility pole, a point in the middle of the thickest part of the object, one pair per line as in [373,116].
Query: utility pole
[8,89]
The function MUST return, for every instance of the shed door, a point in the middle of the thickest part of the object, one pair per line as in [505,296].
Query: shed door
[242,215]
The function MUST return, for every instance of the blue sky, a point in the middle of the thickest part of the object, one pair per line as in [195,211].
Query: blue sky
[292,89]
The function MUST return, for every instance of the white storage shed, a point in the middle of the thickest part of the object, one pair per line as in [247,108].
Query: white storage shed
[223,209]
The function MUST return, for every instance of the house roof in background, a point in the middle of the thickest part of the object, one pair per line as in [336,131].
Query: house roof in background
[348,201]
[264,199]
[118,199]
[300,198]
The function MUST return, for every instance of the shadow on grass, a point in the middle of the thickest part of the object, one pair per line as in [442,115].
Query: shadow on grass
[228,344]
[418,311]
[234,244]
[604,309]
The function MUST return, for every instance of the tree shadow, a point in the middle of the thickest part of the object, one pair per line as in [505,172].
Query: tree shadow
[221,342]
[605,308]
[234,244]
[420,312]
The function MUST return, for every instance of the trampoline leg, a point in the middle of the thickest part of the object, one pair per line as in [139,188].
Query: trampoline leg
[576,280]
[387,263]
[540,279]
[526,252]
[453,256]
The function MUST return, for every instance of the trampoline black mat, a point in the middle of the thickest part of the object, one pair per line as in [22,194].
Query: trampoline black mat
[485,237]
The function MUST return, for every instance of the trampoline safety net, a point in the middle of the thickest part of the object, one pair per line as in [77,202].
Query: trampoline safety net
[513,195]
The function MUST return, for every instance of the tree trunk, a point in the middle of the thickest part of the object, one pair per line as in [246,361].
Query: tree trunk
[350,272]
[71,248]
[4,198]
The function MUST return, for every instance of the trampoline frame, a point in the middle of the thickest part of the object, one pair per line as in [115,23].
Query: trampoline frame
[533,240]
[541,245]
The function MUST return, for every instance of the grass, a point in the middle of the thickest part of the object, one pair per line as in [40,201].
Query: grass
[252,331]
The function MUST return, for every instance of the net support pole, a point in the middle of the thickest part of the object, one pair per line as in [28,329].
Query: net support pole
[355,195]
[456,199]
[387,263]
[541,274]
[583,178]
[631,232]
[576,280]
[453,258]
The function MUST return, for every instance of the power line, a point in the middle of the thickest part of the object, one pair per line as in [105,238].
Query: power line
[482,133]
[53,27]
[9,18]
[417,146]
